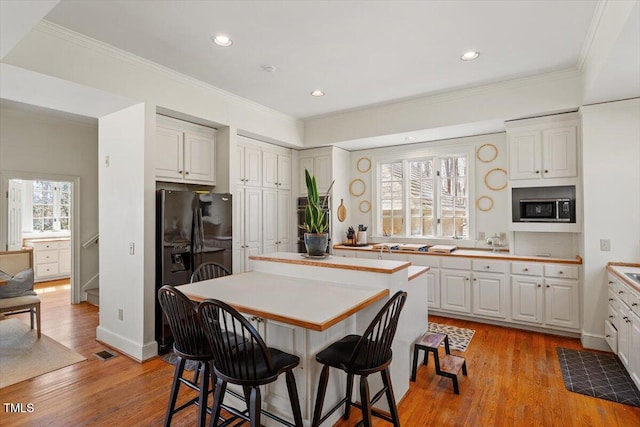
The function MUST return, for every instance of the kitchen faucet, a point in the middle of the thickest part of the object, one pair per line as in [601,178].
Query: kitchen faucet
[382,250]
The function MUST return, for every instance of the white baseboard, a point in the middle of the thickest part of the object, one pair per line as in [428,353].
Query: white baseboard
[595,342]
[132,349]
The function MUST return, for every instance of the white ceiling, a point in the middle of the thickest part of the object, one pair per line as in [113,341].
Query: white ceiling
[361,53]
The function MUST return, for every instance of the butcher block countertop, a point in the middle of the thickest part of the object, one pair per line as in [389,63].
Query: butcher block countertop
[619,268]
[311,304]
[370,265]
[472,253]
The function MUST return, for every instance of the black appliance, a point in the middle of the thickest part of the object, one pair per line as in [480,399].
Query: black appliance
[191,228]
[544,204]
[325,202]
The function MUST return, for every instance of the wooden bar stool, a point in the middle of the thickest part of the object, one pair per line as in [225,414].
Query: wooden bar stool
[363,355]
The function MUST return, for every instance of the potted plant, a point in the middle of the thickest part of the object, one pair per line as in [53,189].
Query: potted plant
[316,224]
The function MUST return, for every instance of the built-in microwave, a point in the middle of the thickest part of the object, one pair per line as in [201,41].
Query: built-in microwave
[545,210]
[544,204]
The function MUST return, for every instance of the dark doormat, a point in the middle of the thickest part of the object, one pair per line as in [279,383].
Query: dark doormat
[598,375]
[190,365]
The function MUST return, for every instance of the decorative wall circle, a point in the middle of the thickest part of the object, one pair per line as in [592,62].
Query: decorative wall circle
[487,153]
[357,187]
[494,175]
[364,206]
[484,203]
[363,165]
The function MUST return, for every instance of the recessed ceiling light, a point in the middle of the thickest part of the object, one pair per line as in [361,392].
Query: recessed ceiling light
[269,68]
[317,93]
[470,56]
[410,138]
[222,40]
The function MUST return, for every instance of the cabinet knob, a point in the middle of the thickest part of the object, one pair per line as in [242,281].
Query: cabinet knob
[610,282]
[179,171]
[525,269]
[610,299]
[608,336]
[560,272]
[475,280]
[539,285]
[620,292]
[610,316]
[625,318]
[548,286]
[466,278]
[634,304]
[627,321]
[537,171]
[186,173]
[488,267]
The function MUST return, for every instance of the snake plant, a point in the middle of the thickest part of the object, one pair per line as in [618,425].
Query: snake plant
[314,216]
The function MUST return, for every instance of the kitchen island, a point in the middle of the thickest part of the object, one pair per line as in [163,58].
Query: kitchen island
[297,313]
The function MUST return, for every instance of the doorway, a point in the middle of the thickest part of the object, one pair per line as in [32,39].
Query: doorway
[42,213]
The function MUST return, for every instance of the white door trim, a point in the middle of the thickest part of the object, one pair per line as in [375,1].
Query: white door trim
[6,176]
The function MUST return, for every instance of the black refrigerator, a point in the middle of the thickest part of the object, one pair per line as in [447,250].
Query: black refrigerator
[191,228]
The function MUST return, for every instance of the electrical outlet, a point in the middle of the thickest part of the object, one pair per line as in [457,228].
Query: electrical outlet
[481,236]
[120,314]
[605,245]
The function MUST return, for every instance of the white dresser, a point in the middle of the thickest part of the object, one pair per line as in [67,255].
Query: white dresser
[51,258]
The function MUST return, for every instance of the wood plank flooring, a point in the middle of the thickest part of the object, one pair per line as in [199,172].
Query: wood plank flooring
[514,379]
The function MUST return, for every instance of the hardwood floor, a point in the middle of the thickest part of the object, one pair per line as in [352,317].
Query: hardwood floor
[514,379]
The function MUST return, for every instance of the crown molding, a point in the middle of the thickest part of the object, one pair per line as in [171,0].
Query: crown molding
[50,29]
[596,21]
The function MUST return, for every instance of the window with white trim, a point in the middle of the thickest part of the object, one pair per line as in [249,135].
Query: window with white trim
[51,205]
[425,197]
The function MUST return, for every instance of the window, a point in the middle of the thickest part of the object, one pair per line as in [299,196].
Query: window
[430,195]
[51,205]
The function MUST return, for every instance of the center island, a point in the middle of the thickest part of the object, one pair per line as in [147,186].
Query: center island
[302,305]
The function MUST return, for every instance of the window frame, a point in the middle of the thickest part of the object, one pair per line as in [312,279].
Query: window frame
[435,153]
[56,206]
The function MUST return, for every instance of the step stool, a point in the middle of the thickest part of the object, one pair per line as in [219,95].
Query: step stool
[450,364]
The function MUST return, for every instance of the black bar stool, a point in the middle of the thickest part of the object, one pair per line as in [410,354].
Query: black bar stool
[363,355]
[241,357]
[209,270]
[189,343]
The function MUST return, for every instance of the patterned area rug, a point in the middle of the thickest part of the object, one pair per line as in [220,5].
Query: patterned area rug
[459,338]
[598,375]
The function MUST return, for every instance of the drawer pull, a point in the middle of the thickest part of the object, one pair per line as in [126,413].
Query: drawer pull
[539,285]
[525,269]
[560,272]
[620,292]
[610,299]
[611,316]
[635,304]
[487,267]
[610,282]
[608,336]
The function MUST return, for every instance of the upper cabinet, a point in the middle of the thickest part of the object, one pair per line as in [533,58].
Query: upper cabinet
[318,163]
[250,165]
[185,152]
[543,148]
[276,170]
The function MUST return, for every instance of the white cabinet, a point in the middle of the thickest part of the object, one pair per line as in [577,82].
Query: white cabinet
[249,165]
[552,301]
[433,276]
[543,148]
[276,170]
[51,258]
[185,152]
[276,214]
[455,284]
[319,165]
[249,229]
[489,288]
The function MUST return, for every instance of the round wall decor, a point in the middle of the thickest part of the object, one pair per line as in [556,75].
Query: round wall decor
[484,203]
[364,206]
[487,153]
[363,165]
[496,179]
[357,187]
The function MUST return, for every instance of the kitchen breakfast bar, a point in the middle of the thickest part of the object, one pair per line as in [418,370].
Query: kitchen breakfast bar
[302,305]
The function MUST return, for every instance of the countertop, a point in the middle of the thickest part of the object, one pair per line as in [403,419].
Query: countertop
[472,253]
[311,304]
[371,265]
[619,268]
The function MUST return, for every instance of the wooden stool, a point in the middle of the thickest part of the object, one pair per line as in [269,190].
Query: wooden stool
[450,364]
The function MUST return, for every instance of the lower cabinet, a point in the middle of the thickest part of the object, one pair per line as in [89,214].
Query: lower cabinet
[455,290]
[489,295]
[526,299]
[51,258]
[562,303]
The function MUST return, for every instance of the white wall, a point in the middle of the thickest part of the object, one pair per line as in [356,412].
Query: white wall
[489,222]
[38,142]
[122,191]
[611,182]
